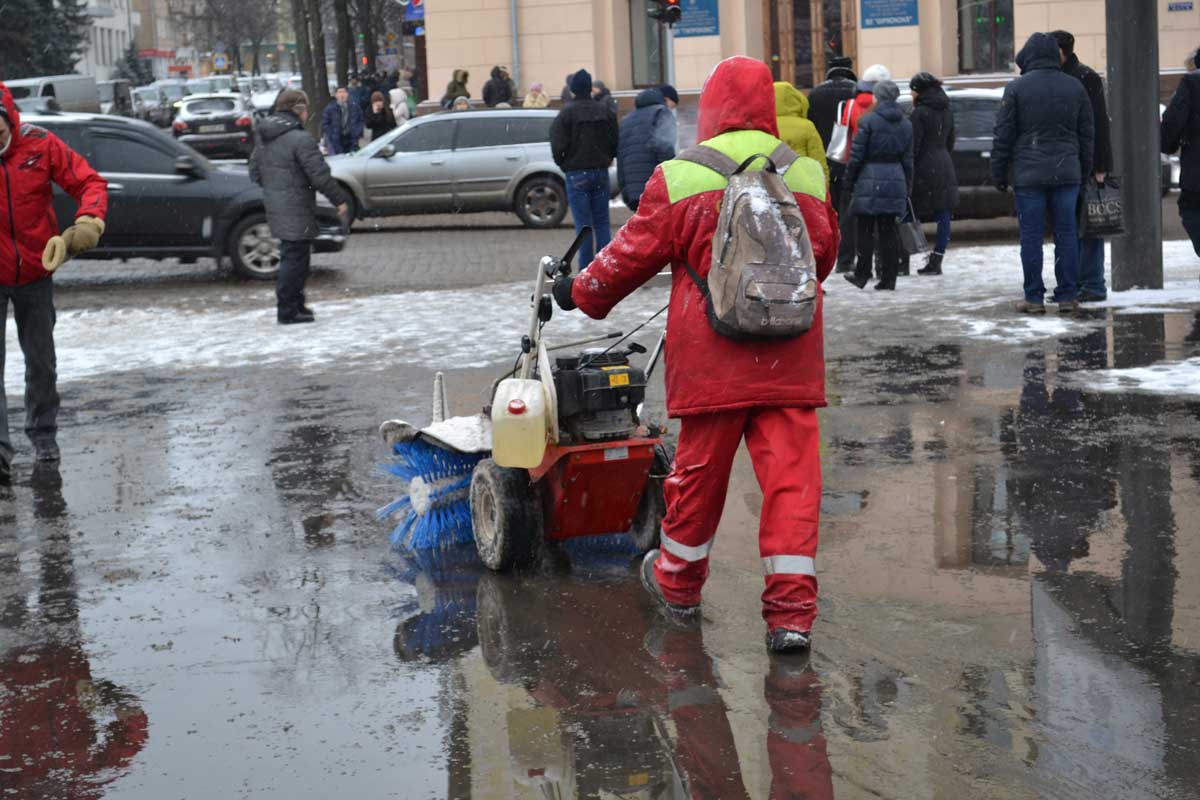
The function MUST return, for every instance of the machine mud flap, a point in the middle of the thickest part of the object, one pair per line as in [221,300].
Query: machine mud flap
[594,489]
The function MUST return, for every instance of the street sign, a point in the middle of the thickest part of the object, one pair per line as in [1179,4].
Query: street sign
[220,61]
[889,13]
[1180,6]
[700,18]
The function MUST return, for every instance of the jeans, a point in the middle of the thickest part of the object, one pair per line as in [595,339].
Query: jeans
[889,247]
[1189,214]
[1033,202]
[1091,266]
[943,232]
[588,195]
[33,308]
[293,271]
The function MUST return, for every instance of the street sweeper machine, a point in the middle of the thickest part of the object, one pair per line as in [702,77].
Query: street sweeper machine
[559,452]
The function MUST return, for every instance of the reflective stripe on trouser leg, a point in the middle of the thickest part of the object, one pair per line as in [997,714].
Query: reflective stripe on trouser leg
[695,495]
[784,447]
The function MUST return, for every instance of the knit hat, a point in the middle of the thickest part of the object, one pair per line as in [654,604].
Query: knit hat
[922,81]
[291,100]
[536,86]
[886,92]
[668,92]
[876,73]
[581,84]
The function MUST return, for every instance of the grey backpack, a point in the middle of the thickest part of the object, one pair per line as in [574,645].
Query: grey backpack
[763,278]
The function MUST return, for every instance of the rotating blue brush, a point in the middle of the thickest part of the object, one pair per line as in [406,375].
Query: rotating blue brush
[436,511]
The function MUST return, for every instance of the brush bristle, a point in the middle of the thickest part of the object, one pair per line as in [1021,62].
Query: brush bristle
[446,521]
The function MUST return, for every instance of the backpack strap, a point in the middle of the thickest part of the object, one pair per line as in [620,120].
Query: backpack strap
[712,158]
[783,157]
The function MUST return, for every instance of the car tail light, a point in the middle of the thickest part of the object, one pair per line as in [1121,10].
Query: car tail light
[179,125]
[243,122]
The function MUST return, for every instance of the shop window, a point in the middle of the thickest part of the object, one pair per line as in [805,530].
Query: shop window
[985,35]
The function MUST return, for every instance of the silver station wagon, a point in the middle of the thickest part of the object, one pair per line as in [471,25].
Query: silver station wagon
[486,160]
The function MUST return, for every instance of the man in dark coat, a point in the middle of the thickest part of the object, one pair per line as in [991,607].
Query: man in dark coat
[647,139]
[290,168]
[879,177]
[1091,250]
[1181,130]
[1042,146]
[583,141]
[498,89]
[935,181]
[825,97]
[341,123]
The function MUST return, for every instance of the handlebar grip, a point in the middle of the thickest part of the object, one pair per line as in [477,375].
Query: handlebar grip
[574,248]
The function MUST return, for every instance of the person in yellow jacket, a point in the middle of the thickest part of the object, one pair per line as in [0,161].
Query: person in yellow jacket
[795,128]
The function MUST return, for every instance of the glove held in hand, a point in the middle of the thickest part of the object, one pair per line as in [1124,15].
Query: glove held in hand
[79,238]
[562,292]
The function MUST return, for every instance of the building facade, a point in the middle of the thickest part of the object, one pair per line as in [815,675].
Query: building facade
[114,23]
[544,40]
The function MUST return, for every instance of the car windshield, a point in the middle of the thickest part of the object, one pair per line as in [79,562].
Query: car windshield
[20,91]
[211,105]
[173,91]
[221,84]
[106,91]
[147,95]
[200,86]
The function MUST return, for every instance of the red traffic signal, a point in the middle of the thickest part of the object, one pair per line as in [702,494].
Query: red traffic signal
[667,11]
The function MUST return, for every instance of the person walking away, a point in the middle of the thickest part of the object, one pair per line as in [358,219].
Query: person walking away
[380,119]
[647,138]
[862,102]
[497,89]
[1042,145]
[289,167]
[724,389]
[537,97]
[879,176]
[566,96]
[358,94]
[398,99]
[791,110]
[1092,287]
[31,160]
[1181,133]
[341,124]
[601,94]
[583,141]
[935,181]
[824,99]
[456,88]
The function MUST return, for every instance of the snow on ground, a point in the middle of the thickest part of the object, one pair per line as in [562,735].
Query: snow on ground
[481,327]
[1168,377]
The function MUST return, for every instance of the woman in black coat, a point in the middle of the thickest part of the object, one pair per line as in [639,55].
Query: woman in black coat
[879,177]
[935,183]
[379,118]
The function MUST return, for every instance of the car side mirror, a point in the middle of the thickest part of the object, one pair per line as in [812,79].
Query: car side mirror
[184,165]
[387,151]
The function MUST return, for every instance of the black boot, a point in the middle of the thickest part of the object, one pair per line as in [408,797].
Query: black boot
[933,265]
[903,268]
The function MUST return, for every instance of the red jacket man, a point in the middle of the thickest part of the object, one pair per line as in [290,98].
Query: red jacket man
[31,159]
[724,389]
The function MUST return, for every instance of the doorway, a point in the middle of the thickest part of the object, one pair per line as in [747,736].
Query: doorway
[801,36]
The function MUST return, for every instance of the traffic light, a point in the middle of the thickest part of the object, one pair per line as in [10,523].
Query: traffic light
[667,11]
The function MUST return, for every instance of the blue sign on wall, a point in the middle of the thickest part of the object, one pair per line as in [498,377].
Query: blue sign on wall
[889,13]
[700,18]
[414,11]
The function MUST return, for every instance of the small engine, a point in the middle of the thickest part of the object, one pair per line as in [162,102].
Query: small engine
[598,394]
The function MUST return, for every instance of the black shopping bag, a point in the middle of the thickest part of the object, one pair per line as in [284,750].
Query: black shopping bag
[1101,209]
[912,235]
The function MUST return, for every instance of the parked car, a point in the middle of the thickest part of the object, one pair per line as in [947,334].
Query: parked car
[115,97]
[174,91]
[212,84]
[168,201]
[974,123]
[71,92]
[150,105]
[488,160]
[38,105]
[217,125]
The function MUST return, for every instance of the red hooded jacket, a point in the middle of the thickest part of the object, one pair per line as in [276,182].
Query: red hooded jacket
[35,158]
[675,223]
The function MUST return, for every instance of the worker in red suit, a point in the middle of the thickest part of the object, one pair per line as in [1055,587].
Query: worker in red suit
[31,249]
[724,390]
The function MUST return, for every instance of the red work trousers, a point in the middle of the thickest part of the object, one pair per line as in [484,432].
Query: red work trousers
[784,447]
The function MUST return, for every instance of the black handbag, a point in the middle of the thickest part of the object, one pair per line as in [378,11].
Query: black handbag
[912,235]
[1101,209]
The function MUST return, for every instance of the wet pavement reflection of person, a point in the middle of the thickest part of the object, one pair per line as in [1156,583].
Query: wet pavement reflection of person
[63,732]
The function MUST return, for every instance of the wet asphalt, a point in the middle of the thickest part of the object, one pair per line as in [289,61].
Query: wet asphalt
[200,603]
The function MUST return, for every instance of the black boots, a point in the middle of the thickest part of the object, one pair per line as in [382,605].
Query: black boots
[933,265]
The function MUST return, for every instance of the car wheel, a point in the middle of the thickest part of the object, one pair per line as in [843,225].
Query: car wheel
[352,202]
[254,251]
[541,202]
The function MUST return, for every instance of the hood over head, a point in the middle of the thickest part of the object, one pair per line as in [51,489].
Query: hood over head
[581,84]
[738,95]
[11,115]
[790,101]
[934,98]
[649,97]
[497,72]
[277,125]
[669,93]
[461,76]
[1040,52]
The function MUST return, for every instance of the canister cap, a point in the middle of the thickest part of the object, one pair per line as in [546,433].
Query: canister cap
[516,406]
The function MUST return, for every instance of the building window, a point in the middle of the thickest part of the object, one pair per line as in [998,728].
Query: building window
[647,47]
[985,35]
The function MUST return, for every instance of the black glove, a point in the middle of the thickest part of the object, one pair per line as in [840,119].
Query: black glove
[1002,188]
[562,292]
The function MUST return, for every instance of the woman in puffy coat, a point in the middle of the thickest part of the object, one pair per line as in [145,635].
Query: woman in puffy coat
[935,183]
[880,176]
[795,128]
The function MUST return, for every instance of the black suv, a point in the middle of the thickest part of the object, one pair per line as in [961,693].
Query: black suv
[167,201]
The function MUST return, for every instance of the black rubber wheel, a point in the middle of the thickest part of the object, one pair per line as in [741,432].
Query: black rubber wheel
[541,202]
[647,524]
[253,250]
[506,513]
[352,202]
[498,640]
